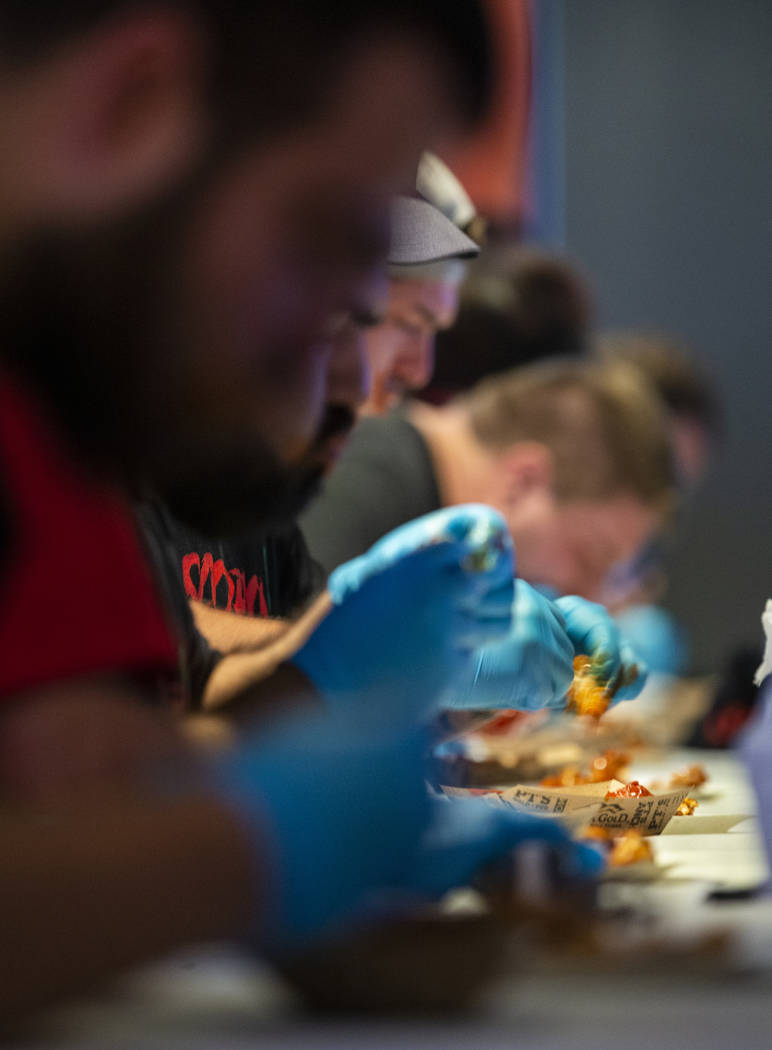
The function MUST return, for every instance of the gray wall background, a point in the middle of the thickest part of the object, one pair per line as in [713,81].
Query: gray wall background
[668,206]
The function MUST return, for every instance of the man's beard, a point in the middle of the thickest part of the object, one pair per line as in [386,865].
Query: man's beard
[85,320]
[239,492]
[256,490]
[337,423]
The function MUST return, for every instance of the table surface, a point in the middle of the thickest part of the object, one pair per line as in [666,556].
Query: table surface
[219,999]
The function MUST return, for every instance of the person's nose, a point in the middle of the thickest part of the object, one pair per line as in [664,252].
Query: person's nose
[415,364]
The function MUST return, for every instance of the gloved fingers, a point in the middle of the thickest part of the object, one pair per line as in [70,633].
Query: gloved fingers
[537,692]
[471,630]
[495,604]
[593,633]
[550,593]
[476,524]
[528,602]
[467,835]
[478,528]
[499,594]
[560,647]
[467,691]
[547,650]
[534,613]
[441,560]
[425,544]
[631,677]
[450,556]
[588,624]
[495,678]
[561,683]
[561,669]
[542,684]
[480,604]
[584,861]
[539,626]
[473,537]
[577,860]
[486,540]
[517,828]
[526,674]
[347,579]
[343,809]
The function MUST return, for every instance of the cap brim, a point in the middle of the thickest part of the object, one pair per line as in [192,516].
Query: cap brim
[421,234]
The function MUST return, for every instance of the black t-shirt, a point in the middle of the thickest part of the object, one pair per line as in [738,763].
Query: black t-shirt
[270,574]
[384,478]
[260,574]
[197,658]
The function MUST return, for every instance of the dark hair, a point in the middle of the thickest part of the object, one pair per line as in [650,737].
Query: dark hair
[671,368]
[517,306]
[271,59]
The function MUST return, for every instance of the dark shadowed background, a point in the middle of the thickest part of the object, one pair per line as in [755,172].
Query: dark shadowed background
[662,189]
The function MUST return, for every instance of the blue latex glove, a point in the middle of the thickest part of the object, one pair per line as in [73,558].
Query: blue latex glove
[656,637]
[333,815]
[408,613]
[531,669]
[466,835]
[594,633]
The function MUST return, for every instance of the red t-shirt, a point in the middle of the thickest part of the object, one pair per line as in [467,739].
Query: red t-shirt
[77,597]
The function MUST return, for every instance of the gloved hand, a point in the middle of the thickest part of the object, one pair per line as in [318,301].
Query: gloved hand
[332,813]
[531,669]
[408,613]
[466,835]
[593,632]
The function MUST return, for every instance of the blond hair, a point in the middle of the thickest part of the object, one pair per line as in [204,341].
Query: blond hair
[603,424]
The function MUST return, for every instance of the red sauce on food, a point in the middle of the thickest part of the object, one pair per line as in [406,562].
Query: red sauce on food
[632,790]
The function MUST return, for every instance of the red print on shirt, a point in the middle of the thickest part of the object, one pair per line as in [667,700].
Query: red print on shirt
[242,597]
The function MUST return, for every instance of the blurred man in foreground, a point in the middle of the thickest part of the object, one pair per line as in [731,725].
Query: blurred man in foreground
[255,657]
[182,214]
[266,572]
[190,258]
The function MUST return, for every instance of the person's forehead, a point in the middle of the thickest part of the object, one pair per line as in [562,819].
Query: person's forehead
[425,295]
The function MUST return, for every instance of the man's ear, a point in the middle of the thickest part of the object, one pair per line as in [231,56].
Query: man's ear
[525,468]
[121,113]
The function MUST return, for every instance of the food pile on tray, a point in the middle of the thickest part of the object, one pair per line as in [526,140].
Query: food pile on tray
[570,769]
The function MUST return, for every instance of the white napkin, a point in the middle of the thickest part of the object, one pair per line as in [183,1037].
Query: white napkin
[765,666]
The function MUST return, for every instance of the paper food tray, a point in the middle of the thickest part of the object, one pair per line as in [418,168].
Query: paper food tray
[649,815]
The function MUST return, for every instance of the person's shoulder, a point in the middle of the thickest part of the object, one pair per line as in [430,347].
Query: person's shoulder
[376,428]
[388,439]
[69,539]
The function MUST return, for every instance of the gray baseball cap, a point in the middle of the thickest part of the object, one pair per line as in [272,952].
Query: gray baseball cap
[421,234]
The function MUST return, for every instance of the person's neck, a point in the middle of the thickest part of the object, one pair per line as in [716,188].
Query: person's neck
[461,463]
